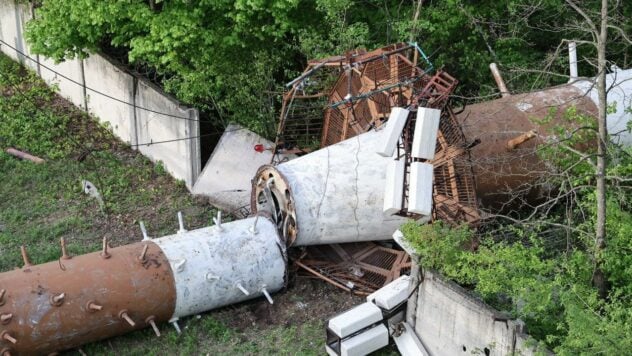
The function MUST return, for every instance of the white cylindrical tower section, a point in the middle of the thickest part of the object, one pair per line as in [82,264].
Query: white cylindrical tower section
[333,195]
[619,86]
[222,265]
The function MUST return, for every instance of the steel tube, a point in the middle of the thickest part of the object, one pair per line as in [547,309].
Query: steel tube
[333,195]
[43,322]
[64,304]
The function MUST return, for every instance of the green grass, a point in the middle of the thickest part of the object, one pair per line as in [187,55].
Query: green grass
[207,335]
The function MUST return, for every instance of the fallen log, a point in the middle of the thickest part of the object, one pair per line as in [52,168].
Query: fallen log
[23,155]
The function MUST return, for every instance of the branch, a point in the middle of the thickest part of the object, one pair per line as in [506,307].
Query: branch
[585,16]
[621,32]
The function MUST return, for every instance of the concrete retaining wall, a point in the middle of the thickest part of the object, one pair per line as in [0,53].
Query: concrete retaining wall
[138,112]
[451,322]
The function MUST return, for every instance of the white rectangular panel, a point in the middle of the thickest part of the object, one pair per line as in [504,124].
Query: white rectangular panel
[420,188]
[392,294]
[394,187]
[355,319]
[392,132]
[426,129]
[366,342]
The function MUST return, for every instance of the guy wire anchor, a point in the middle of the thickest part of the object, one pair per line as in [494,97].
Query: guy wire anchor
[181,223]
[218,220]
[144,231]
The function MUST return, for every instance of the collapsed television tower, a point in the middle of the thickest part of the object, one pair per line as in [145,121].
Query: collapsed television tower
[334,195]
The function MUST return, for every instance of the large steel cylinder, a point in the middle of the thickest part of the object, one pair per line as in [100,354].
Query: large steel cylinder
[55,306]
[70,302]
[221,265]
[333,195]
[507,133]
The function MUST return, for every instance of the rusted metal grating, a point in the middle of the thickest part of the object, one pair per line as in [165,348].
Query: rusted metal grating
[361,268]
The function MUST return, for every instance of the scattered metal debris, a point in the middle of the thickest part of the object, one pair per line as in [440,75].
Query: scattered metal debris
[360,268]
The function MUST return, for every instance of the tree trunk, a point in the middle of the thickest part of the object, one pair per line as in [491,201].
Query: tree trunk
[599,279]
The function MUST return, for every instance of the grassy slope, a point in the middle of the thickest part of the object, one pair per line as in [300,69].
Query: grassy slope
[39,204]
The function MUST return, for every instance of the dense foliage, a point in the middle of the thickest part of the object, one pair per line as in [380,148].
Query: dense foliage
[541,269]
[233,57]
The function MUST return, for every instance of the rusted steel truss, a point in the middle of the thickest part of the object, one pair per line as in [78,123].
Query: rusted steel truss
[360,268]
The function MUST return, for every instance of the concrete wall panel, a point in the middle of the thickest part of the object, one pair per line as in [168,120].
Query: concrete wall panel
[451,322]
[66,76]
[116,107]
[168,121]
[9,28]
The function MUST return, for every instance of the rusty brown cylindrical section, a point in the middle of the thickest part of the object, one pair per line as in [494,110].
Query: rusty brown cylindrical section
[504,161]
[70,302]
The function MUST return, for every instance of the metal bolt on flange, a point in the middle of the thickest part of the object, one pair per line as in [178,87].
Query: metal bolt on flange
[181,223]
[143,255]
[144,231]
[174,322]
[6,318]
[266,294]
[2,293]
[105,253]
[93,307]
[25,257]
[6,336]
[64,252]
[57,300]
[123,315]
[151,321]
[5,352]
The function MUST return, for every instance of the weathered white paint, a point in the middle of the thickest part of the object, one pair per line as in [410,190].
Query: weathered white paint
[420,188]
[355,319]
[213,266]
[227,174]
[619,83]
[338,192]
[392,294]
[394,187]
[393,131]
[366,342]
[425,136]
